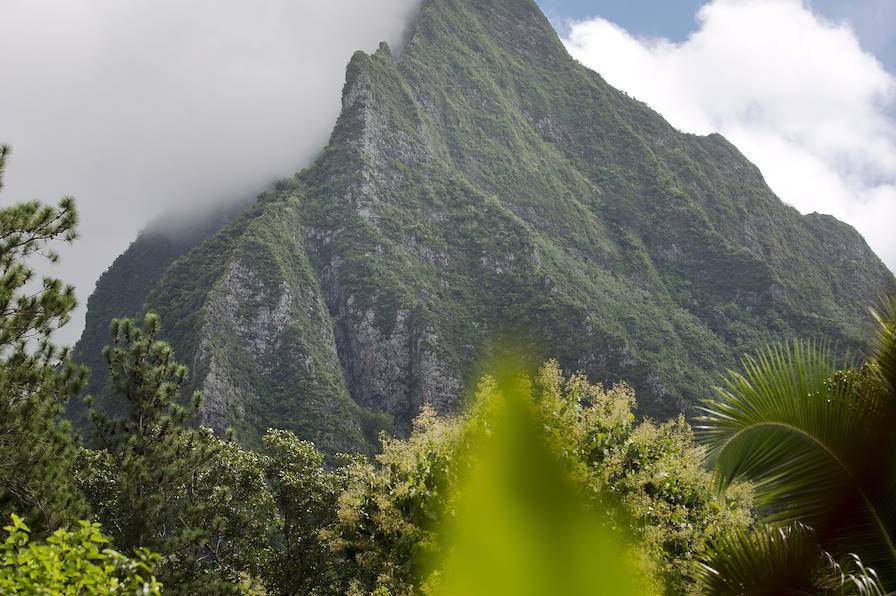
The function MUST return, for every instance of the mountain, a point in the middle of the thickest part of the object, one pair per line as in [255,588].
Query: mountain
[480,189]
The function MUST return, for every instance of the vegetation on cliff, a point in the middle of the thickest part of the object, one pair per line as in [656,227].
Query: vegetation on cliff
[546,482]
[481,188]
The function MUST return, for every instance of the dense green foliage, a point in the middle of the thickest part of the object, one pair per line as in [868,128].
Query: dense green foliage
[306,492]
[36,377]
[646,477]
[784,560]
[484,186]
[71,562]
[158,483]
[817,438]
[520,522]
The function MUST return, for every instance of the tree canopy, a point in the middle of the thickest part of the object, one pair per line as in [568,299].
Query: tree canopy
[36,376]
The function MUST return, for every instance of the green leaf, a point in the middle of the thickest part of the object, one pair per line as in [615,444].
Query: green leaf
[784,560]
[18,523]
[817,441]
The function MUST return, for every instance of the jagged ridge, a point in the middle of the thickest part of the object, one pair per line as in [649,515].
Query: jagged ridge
[485,186]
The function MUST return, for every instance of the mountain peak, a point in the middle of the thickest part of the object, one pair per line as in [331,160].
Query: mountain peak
[484,26]
[483,185]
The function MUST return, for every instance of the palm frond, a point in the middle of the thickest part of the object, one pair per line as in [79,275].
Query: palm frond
[854,576]
[817,445]
[885,345]
[785,561]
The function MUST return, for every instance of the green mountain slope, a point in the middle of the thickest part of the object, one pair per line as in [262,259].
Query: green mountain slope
[484,187]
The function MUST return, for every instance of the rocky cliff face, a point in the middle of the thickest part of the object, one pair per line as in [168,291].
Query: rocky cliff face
[484,190]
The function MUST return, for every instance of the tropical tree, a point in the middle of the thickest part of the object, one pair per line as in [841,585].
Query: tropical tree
[147,442]
[817,438]
[162,483]
[306,491]
[36,376]
[783,560]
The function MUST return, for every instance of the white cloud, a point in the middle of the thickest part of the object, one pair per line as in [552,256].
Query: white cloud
[797,94]
[139,106]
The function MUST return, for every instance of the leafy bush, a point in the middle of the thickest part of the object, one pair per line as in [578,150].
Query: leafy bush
[645,478]
[72,562]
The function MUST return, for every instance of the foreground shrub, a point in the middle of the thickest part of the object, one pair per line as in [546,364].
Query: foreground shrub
[71,562]
[645,480]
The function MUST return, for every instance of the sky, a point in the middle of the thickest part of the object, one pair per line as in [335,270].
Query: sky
[793,84]
[143,107]
[874,21]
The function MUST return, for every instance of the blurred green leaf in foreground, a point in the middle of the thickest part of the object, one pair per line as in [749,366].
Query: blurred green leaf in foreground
[520,526]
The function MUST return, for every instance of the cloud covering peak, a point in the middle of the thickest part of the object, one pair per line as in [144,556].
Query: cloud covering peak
[138,107]
[796,93]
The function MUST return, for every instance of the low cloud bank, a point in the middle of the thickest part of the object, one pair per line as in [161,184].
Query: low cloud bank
[796,93]
[138,107]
